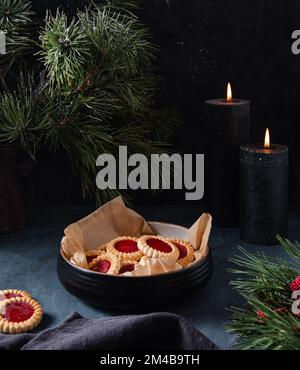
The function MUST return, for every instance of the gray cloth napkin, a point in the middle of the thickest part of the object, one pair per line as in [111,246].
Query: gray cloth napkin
[155,331]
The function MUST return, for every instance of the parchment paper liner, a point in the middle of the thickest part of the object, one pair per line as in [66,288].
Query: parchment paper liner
[114,219]
[154,266]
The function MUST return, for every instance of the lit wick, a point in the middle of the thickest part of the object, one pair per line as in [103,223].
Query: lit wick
[267,139]
[229,93]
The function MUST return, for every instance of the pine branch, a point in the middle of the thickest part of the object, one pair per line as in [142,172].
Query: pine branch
[97,92]
[276,331]
[64,50]
[20,115]
[15,14]
[293,250]
[267,322]
[16,20]
[264,276]
[98,41]
[101,89]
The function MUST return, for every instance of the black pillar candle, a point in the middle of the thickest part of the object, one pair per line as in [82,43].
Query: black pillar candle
[227,126]
[263,193]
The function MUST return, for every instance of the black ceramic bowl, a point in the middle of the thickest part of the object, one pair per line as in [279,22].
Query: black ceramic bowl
[136,293]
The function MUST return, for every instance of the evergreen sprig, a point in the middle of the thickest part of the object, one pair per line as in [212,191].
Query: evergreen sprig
[264,283]
[21,115]
[277,331]
[16,20]
[101,85]
[15,14]
[64,49]
[93,90]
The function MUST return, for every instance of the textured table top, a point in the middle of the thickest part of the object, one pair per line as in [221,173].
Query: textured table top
[28,261]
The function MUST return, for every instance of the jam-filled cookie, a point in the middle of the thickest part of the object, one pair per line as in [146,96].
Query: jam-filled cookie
[127,266]
[92,254]
[157,246]
[186,251]
[106,264]
[125,248]
[18,315]
[13,293]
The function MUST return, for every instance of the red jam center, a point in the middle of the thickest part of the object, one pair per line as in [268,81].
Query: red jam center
[18,311]
[182,250]
[102,266]
[126,268]
[12,295]
[126,246]
[159,245]
[90,258]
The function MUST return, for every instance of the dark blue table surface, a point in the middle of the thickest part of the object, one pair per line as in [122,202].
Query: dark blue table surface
[28,261]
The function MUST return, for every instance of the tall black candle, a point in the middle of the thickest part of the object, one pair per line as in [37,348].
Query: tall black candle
[263,192]
[227,126]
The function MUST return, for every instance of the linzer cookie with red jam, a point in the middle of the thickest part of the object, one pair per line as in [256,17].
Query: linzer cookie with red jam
[13,293]
[157,246]
[186,251]
[105,263]
[127,266]
[92,254]
[18,315]
[125,248]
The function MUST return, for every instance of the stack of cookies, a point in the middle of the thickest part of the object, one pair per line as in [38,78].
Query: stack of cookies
[125,254]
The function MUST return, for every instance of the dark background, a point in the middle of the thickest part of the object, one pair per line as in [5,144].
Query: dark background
[203,45]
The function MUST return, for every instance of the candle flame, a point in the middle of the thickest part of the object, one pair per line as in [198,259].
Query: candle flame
[267,139]
[229,93]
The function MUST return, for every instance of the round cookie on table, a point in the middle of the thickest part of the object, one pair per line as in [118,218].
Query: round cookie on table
[20,314]
[156,246]
[13,293]
[125,248]
[105,263]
